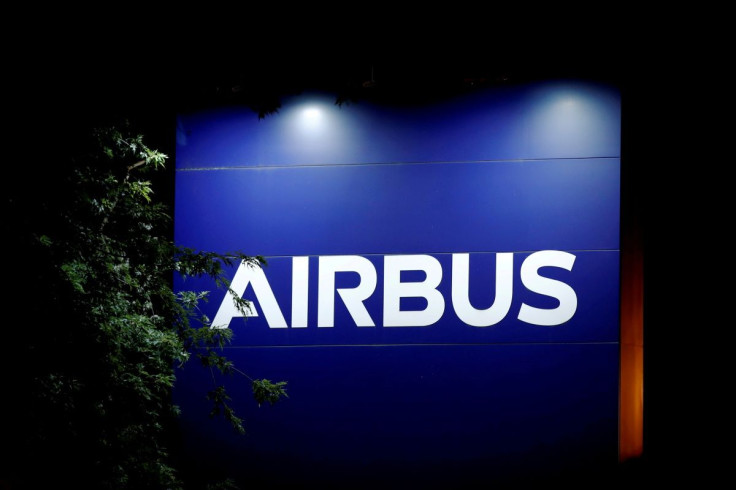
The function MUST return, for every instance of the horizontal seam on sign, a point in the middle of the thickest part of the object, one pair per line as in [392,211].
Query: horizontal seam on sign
[415,345]
[260,167]
[439,253]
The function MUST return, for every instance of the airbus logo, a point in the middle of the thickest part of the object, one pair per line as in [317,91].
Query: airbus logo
[394,290]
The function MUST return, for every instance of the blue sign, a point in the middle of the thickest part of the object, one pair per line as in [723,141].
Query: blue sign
[442,286]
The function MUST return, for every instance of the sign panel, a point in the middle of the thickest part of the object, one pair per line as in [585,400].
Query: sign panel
[441,290]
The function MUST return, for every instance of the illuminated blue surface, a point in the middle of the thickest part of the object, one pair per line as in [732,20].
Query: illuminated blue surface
[357,413]
[557,120]
[596,318]
[411,208]
[513,170]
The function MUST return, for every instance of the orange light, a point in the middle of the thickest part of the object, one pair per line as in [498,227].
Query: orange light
[631,377]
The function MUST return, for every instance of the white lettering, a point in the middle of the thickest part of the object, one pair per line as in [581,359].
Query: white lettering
[247,274]
[460,290]
[299,291]
[549,287]
[394,290]
[353,298]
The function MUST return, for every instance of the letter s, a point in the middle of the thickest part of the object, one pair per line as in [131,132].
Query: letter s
[549,287]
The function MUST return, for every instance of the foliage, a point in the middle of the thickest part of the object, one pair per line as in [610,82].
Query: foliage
[266,391]
[111,330]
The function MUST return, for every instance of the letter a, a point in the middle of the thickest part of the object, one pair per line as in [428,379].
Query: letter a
[247,274]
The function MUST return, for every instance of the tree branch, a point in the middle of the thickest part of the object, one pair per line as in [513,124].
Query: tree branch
[136,165]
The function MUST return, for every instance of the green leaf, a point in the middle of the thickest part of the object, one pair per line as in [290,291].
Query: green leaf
[266,391]
[104,380]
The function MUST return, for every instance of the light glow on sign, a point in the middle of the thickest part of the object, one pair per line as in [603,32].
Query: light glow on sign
[312,125]
[312,113]
[309,117]
[565,117]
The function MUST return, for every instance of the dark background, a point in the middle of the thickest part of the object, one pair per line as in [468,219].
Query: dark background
[62,78]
